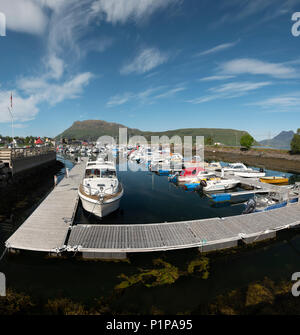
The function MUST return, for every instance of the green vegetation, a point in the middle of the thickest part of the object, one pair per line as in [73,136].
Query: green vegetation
[167,274]
[91,130]
[295,143]
[259,297]
[200,265]
[264,297]
[247,141]
[164,273]
[209,141]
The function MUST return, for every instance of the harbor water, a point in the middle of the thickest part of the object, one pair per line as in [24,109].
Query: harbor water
[150,198]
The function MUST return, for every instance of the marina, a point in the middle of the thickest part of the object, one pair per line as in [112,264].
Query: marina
[149,160]
[58,232]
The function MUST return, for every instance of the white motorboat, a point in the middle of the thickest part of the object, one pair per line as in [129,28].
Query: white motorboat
[235,167]
[100,191]
[213,166]
[218,184]
[250,174]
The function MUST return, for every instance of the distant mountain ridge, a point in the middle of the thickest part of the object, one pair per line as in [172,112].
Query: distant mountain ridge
[281,141]
[91,130]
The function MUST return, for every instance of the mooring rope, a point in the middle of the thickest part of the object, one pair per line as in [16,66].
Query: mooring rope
[3,254]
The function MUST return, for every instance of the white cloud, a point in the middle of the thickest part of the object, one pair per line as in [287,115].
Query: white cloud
[289,101]
[33,91]
[217,48]
[147,96]
[115,11]
[170,93]
[257,67]
[118,100]
[24,109]
[55,66]
[269,8]
[238,87]
[229,91]
[24,16]
[53,93]
[146,60]
[213,78]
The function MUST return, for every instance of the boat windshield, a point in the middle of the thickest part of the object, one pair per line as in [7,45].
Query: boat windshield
[108,173]
[91,173]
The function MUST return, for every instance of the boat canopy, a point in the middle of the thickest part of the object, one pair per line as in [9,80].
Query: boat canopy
[191,171]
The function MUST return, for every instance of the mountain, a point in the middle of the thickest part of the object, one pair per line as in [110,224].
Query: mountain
[281,141]
[91,130]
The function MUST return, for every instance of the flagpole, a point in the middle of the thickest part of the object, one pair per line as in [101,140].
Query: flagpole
[12,120]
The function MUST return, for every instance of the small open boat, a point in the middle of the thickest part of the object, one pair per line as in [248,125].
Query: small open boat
[274,180]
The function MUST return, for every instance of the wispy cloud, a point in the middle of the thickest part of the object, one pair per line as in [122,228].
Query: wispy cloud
[214,78]
[44,91]
[146,96]
[31,92]
[239,87]
[258,67]
[229,91]
[146,60]
[116,11]
[217,48]
[170,93]
[287,102]
[24,108]
[119,99]
[263,10]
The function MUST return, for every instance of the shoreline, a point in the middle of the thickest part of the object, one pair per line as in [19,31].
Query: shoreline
[271,159]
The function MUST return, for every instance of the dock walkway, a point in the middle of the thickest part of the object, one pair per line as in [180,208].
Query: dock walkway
[47,227]
[50,228]
[209,234]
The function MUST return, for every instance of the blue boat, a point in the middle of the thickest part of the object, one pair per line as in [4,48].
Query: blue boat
[265,204]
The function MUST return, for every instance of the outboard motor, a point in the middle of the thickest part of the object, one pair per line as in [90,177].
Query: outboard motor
[203,183]
[250,206]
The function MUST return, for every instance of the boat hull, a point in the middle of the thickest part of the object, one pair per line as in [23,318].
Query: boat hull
[99,208]
[274,180]
[250,174]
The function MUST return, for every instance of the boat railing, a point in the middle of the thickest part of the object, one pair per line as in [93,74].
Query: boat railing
[98,191]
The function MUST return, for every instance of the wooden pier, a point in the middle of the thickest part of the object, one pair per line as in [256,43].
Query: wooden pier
[47,227]
[50,228]
[21,159]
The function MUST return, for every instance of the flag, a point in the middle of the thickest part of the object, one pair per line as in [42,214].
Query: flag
[11,100]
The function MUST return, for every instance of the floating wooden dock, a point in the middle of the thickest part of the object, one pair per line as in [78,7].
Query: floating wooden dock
[50,228]
[207,234]
[47,227]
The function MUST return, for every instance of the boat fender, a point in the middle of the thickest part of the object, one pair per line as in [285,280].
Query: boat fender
[250,206]
[203,183]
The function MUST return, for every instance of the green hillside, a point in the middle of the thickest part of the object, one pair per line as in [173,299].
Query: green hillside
[91,130]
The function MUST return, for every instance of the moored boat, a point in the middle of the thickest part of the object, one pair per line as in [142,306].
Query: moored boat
[250,174]
[100,191]
[219,184]
[274,180]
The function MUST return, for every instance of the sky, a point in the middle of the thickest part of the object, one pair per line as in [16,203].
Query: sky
[150,64]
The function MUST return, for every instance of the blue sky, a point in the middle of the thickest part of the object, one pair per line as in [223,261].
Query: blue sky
[151,64]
